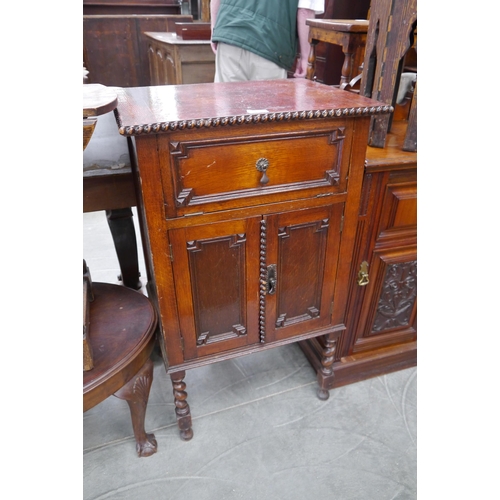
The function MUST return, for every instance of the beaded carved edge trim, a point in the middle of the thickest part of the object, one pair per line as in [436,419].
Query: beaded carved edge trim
[157,128]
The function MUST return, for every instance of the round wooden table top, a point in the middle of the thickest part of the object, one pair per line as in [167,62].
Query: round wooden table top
[98,99]
[122,326]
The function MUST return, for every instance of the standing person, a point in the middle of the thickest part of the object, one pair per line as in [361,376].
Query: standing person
[258,39]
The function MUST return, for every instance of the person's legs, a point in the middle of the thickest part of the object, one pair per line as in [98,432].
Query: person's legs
[229,66]
[263,69]
[233,64]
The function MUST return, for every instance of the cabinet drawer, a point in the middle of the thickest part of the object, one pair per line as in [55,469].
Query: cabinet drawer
[218,174]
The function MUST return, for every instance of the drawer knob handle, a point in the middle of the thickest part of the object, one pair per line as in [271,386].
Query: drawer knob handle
[262,165]
[363,278]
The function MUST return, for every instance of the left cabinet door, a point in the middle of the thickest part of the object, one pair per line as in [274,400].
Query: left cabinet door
[216,274]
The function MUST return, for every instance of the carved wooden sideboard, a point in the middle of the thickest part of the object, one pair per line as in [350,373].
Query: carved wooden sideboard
[173,61]
[249,199]
[381,328]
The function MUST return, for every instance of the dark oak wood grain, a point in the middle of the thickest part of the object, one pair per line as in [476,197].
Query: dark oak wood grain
[134,7]
[116,49]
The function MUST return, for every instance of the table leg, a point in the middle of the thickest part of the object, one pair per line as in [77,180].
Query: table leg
[325,374]
[311,61]
[122,229]
[182,410]
[136,393]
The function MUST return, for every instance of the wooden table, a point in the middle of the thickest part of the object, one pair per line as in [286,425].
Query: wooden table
[122,327]
[250,196]
[107,177]
[349,34]
[118,323]
[173,61]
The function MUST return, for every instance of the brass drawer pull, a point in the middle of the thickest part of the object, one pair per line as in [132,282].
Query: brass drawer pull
[262,165]
[363,278]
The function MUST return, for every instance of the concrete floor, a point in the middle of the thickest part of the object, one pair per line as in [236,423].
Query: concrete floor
[260,432]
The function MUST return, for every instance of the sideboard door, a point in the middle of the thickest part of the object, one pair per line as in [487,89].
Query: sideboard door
[303,246]
[389,311]
[388,297]
[216,269]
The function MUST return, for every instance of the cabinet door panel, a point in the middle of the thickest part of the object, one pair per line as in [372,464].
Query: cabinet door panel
[399,212]
[216,280]
[389,310]
[304,247]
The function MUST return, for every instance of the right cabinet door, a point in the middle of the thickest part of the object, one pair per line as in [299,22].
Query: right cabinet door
[389,312]
[387,279]
[301,259]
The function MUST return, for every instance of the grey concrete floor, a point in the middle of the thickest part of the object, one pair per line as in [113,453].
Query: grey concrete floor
[260,432]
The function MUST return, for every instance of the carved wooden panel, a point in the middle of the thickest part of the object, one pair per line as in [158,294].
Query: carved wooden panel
[176,62]
[304,247]
[217,281]
[389,312]
[161,65]
[397,298]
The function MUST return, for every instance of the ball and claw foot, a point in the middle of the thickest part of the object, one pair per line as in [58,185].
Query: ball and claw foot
[147,447]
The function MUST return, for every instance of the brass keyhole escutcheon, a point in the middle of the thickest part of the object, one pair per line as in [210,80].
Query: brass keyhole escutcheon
[262,165]
[272,279]
[363,278]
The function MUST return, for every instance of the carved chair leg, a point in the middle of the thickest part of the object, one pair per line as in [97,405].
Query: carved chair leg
[121,225]
[325,374]
[136,393]
[311,61]
[182,411]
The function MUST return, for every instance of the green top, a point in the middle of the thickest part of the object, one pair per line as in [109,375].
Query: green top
[267,28]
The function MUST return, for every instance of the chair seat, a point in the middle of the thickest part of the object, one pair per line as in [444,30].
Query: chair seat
[107,172]
[122,326]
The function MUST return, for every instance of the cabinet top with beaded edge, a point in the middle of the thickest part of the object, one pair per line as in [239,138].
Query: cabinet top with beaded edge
[153,110]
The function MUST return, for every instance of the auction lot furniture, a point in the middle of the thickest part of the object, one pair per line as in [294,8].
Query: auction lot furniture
[107,177]
[115,47]
[249,204]
[118,323]
[381,333]
[122,324]
[173,60]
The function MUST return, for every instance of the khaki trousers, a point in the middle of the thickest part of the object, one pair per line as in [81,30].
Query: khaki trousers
[233,64]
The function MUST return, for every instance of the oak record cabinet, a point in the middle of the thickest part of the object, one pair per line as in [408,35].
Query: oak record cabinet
[249,215]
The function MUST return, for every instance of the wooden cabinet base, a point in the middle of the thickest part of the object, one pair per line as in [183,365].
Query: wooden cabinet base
[358,367]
